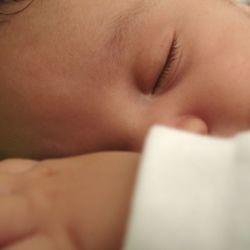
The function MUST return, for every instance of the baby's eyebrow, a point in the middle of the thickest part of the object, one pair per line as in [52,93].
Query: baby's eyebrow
[123,24]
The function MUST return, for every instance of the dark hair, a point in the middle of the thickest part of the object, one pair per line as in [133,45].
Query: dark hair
[13,7]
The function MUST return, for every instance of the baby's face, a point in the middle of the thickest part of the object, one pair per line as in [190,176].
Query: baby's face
[78,76]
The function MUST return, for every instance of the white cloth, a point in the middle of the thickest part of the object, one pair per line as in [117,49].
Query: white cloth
[245,1]
[192,193]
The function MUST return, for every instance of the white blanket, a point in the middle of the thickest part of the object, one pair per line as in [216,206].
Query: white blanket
[245,1]
[192,193]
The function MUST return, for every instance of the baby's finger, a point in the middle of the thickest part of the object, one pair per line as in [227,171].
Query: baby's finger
[16,219]
[8,184]
[16,166]
[35,242]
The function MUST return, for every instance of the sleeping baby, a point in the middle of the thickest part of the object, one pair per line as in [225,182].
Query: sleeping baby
[87,76]
[81,77]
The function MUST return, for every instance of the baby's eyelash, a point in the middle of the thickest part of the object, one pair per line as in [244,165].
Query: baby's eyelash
[18,6]
[171,58]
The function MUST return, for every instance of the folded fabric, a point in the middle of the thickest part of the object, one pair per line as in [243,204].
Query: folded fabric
[245,1]
[192,193]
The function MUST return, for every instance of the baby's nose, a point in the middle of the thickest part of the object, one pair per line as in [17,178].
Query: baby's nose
[192,124]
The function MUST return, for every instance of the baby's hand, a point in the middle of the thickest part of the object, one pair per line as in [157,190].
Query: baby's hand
[73,203]
[16,166]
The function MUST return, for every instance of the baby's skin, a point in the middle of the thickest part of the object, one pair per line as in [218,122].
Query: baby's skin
[90,78]
[68,204]
[81,76]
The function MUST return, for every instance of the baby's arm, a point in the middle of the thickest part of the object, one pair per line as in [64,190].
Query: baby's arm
[74,203]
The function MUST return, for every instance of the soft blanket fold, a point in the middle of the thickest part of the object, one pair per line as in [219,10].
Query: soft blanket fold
[192,193]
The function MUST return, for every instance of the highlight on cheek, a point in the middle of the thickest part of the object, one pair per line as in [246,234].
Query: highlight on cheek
[12,7]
